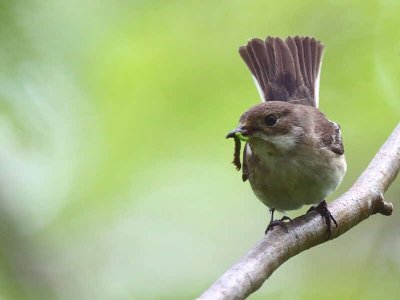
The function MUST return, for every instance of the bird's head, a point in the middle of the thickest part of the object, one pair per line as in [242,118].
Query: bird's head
[275,122]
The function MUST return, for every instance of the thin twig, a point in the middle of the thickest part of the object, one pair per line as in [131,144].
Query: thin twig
[364,199]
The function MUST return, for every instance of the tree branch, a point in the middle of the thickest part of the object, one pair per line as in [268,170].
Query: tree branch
[364,199]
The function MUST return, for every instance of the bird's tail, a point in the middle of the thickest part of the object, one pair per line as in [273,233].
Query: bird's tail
[285,70]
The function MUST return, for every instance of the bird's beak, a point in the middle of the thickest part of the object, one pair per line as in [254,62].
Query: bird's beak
[240,133]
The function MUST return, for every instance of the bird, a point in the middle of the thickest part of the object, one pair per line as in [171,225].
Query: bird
[294,155]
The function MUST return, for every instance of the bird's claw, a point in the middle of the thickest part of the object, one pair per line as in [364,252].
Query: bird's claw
[280,222]
[323,210]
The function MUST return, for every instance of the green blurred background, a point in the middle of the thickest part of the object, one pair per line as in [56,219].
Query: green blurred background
[115,177]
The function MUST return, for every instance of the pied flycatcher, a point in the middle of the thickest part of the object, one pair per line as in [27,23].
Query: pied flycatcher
[293,154]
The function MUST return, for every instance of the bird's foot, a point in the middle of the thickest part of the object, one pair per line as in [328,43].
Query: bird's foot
[280,222]
[323,210]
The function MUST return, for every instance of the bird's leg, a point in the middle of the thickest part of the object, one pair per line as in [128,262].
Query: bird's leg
[323,210]
[273,223]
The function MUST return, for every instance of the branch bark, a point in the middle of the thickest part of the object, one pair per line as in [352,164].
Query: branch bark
[364,199]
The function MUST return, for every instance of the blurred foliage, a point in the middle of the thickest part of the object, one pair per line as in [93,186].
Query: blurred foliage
[116,182]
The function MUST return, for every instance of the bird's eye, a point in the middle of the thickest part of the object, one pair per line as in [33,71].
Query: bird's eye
[271,120]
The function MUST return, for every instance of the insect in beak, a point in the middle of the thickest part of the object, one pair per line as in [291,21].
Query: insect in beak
[241,133]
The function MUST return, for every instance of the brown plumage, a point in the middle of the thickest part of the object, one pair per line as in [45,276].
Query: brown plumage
[285,70]
[293,154]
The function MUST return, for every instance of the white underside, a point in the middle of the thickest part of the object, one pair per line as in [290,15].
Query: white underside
[289,181]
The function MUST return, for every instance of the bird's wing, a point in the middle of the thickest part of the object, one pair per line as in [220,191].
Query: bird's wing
[246,156]
[285,70]
[332,137]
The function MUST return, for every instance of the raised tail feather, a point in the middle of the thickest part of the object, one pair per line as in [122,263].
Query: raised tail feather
[285,70]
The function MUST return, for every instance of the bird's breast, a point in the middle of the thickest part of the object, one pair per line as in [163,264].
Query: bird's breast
[288,180]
